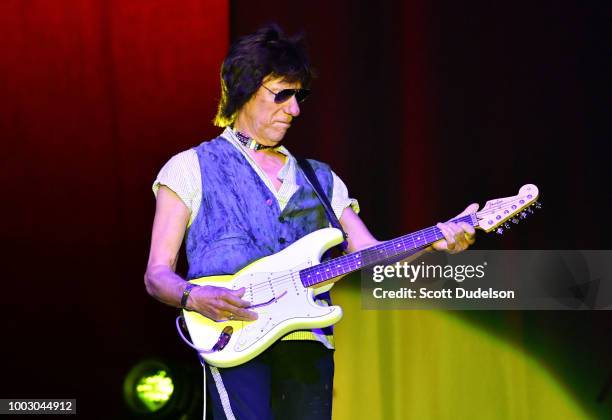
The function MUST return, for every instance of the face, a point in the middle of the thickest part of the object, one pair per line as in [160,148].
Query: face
[263,119]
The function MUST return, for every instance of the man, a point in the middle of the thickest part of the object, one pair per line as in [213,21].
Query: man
[241,197]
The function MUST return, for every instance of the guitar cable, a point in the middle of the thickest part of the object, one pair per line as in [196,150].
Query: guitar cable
[186,340]
[202,362]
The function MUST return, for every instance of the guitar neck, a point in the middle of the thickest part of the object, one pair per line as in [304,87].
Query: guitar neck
[403,245]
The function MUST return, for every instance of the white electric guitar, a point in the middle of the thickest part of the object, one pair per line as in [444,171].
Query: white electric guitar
[282,287]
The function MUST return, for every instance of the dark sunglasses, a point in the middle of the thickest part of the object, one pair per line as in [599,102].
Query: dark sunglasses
[286,94]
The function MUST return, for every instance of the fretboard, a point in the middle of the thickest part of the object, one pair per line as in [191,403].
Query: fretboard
[404,245]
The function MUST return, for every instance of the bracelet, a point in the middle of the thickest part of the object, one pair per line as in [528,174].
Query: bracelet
[186,294]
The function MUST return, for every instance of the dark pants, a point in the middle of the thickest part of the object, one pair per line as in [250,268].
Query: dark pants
[290,380]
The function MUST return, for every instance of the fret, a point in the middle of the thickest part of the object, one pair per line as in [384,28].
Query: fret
[379,253]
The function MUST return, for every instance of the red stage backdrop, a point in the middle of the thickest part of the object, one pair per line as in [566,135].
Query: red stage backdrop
[95,96]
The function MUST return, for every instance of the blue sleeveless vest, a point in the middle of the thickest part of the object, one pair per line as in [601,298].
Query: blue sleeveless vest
[239,220]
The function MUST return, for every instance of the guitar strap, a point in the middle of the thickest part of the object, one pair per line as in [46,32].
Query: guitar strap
[309,173]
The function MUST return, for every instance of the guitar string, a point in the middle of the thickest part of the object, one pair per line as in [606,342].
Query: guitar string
[391,245]
[280,281]
[289,278]
[385,247]
[356,264]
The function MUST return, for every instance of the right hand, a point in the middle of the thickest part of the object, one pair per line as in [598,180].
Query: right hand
[220,304]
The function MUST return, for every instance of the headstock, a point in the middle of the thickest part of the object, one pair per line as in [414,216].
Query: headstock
[499,213]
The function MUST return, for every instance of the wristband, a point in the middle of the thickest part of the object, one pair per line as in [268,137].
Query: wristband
[186,294]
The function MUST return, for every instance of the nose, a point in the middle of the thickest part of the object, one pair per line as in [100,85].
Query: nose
[292,107]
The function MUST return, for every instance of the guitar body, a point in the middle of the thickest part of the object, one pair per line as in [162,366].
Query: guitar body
[273,286]
[275,289]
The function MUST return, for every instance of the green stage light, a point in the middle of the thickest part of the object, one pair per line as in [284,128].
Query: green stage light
[154,391]
[163,389]
[149,386]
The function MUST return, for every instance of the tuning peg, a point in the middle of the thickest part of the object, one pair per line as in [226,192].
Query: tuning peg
[507,225]
[515,220]
[523,215]
[499,231]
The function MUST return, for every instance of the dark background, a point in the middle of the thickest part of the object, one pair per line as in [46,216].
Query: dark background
[421,107]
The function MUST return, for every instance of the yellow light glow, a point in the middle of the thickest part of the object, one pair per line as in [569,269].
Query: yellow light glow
[155,390]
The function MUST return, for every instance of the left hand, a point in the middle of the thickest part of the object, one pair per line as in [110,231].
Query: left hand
[457,236]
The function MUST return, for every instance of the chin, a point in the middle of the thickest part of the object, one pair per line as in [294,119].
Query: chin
[278,137]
